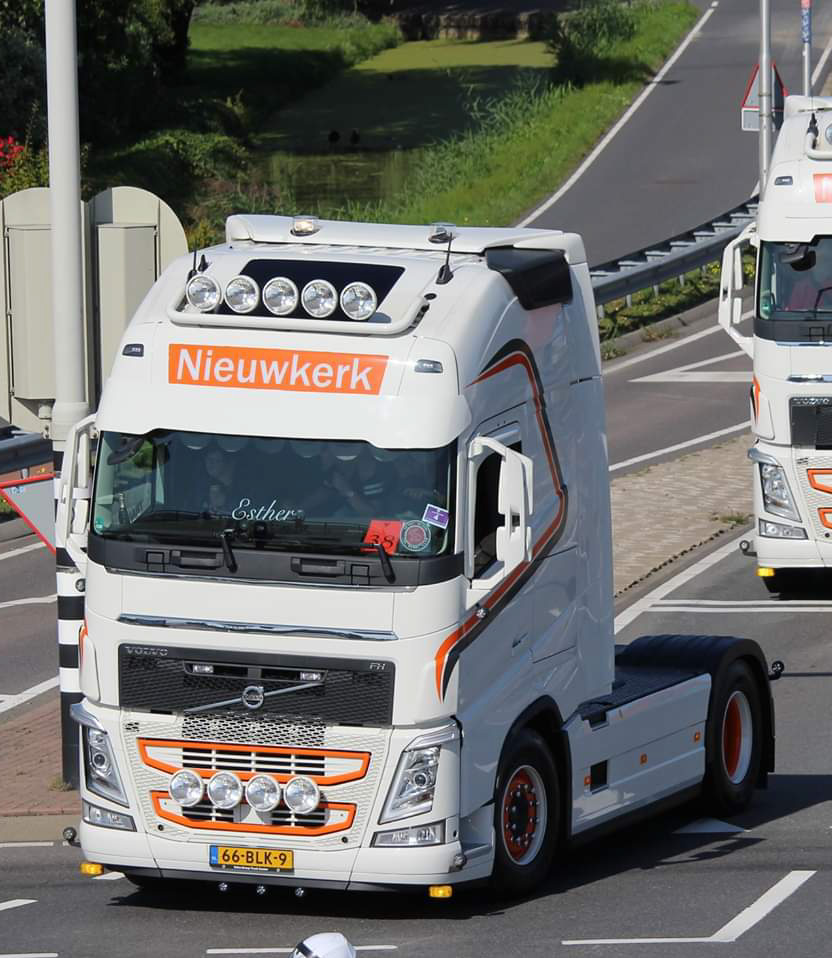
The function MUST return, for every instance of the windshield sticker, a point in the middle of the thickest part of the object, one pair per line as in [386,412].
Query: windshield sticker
[265,513]
[415,535]
[436,516]
[386,532]
[241,367]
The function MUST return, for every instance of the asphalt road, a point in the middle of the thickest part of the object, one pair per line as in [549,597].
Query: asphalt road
[651,881]
[682,157]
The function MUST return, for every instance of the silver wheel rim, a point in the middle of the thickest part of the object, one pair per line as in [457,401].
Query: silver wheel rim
[523,814]
[737,737]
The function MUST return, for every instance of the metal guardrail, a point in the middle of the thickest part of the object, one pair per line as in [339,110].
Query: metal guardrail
[671,258]
[22,450]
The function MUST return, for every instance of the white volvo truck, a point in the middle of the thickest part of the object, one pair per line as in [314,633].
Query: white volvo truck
[347,558]
[791,345]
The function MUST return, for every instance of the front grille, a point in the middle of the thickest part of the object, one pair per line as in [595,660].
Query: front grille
[205,812]
[248,761]
[353,692]
[818,501]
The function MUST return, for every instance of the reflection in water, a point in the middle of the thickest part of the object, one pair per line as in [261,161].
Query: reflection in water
[330,180]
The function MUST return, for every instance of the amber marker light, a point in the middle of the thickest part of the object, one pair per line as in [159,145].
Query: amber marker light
[764,572]
[92,868]
[440,891]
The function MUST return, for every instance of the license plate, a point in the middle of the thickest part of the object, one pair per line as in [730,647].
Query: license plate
[270,859]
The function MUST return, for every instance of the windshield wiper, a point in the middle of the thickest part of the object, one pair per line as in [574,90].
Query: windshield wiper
[355,548]
[386,564]
[225,539]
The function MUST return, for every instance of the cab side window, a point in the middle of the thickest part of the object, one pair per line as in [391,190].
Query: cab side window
[486,517]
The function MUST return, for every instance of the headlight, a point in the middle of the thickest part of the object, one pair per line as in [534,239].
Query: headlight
[413,785]
[280,296]
[319,298]
[242,294]
[358,301]
[777,497]
[225,790]
[777,530]
[203,293]
[301,795]
[102,776]
[186,788]
[262,793]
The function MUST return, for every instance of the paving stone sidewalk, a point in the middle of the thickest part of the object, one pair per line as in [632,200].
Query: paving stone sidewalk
[659,514]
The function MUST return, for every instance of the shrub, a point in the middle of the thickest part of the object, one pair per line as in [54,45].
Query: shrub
[28,167]
[580,40]
[23,90]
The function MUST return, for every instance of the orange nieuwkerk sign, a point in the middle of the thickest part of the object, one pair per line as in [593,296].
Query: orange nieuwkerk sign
[241,367]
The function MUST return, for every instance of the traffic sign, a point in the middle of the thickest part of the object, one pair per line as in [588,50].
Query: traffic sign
[33,500]
[750,108]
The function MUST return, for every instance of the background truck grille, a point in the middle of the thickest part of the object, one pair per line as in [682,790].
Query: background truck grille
[342,692]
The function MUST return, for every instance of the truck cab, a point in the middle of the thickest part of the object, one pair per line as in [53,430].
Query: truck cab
[791,392]
[347,566]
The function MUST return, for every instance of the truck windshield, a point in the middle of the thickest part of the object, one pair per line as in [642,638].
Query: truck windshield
[302,495]
[795,279]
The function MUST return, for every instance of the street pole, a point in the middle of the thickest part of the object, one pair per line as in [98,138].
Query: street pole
[68,322]
[765,90]
[806,36]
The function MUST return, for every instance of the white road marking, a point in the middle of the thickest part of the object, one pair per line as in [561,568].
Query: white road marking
[632,612]
[108,876]
[735,928]
[21,551]
[33,954]
[593,156]
[683,374]
[755,602]
[740,427]
[709,826]
[12,701]
[283,951]
[727,610]
[32,600]
[16,903]
[614,367]
[822,61]
[26,844]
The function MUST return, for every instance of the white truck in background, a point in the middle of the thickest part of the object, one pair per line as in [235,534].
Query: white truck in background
[347,561]
[791,346]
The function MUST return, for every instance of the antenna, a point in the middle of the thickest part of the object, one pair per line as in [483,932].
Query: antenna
[444,233]
[193,270]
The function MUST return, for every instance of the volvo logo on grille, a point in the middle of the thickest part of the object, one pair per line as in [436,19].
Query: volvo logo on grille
[144,650]
[253,696]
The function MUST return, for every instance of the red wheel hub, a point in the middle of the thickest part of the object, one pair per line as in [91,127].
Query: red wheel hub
[519,814]
[732,737]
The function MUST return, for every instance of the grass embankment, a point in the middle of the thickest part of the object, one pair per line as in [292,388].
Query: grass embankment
[199,157]
[515,148]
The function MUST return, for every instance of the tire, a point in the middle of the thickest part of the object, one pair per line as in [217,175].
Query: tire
[527,808]
[734,740]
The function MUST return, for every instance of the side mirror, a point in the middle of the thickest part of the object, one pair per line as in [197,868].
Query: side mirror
[513,539]
[731,282]
[74,492]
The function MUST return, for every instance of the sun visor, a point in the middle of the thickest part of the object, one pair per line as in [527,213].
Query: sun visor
[537,277]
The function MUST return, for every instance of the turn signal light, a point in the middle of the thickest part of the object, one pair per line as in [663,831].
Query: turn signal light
[765,573]
[440,891]
[91,868]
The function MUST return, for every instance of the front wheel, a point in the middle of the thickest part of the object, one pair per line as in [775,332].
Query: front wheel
[526,814]
[734,740]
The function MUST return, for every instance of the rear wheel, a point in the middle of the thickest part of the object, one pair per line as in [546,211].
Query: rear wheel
[526,814]
[734,740]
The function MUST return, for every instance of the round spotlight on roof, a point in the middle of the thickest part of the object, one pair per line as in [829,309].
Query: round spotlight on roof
[242,294]
[280,296]
[186,788]
[358,301]
[319,298]
[301,795]
[305,225]
[203,293]
[225,790]
[262,793]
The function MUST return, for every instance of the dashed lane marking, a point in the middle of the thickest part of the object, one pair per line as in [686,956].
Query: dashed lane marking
[735,928]
[33,954]
[683,374]
[16,903]
[26,844]
[108,876]
[32,600]
[20,552]
[284,951]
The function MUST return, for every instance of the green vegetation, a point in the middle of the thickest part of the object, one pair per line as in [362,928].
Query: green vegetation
[518,145]
[6,511]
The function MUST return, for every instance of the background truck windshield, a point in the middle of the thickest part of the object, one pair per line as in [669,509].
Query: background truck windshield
[301,495]
[796,279]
